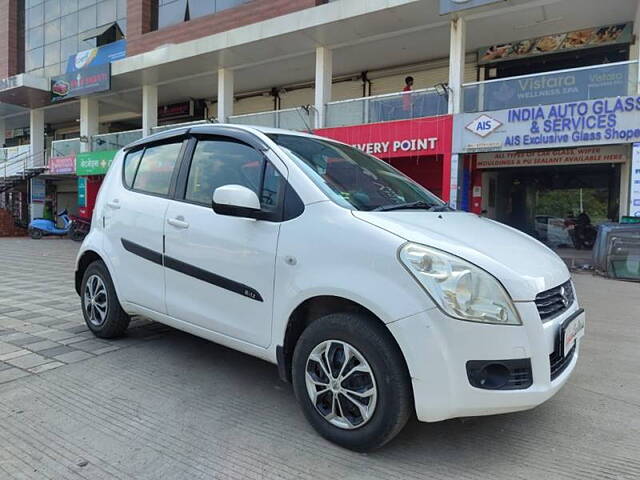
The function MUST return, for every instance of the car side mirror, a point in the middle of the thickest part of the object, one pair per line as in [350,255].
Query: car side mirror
[236,201]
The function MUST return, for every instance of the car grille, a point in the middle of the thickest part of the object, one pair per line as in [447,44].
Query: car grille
[560,363]
[555,301]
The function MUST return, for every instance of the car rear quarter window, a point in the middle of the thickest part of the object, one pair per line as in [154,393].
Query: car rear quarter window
[131,162]
[155,168]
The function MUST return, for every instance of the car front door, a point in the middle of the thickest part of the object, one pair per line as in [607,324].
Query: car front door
[134,220]
[220,269]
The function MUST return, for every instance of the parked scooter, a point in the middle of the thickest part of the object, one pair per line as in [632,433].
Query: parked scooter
[39,227]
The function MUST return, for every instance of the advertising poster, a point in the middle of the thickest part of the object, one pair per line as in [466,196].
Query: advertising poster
[634,192]
[38,190]
[62,165]
[97,56]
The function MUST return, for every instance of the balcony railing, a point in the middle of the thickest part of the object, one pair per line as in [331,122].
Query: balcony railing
[290,118]
[114,141]
[65,148]
[176,125]
[385,108]
[560,86]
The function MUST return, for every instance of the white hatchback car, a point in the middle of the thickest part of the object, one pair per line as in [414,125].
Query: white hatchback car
[373,297]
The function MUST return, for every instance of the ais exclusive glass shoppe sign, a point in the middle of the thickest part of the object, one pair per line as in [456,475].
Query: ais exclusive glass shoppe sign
[593,122]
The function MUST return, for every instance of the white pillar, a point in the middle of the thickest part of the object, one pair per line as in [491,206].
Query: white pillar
[457,53]
[149,109]
[225,94]
[36,129]
[89,110]
[37,158]
[324,76]
[456,63]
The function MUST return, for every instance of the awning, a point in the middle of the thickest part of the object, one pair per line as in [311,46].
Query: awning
[25,90]
[96,32]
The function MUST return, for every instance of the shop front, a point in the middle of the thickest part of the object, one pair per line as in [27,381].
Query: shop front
[420,148]
[539,168]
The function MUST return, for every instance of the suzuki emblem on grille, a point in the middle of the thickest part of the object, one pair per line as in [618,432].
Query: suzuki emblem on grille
[563,294]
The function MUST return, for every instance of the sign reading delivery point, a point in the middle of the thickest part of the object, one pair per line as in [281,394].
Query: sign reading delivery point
[403,138]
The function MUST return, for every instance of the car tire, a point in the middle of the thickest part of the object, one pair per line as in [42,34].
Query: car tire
[101,308]
[371,348]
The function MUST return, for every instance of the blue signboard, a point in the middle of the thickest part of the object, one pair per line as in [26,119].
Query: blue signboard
[97,56]
[561,87]
[38,190]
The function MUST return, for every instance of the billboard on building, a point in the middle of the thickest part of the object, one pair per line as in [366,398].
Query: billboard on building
[561,125]
[450,6]
[550,157]
[94,163]
[82,82]
[97,56]
[62,165]
[561,87]
[560,42]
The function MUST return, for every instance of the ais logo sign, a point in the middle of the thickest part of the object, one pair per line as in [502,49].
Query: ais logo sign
[483,125]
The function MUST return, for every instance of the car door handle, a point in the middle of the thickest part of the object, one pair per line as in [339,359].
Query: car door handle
[178,222]
[115,204]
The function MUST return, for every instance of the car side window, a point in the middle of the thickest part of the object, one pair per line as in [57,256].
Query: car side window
[155,168]
[227,162]
[131,162]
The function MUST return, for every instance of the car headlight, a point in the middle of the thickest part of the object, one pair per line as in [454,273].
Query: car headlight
[461,289]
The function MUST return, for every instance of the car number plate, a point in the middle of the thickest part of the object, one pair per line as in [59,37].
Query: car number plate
[571,332]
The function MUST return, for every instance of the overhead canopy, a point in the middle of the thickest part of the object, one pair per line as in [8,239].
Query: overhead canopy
[101,30]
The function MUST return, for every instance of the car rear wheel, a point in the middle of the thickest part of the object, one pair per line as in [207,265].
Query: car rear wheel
[100,305]
[351,381]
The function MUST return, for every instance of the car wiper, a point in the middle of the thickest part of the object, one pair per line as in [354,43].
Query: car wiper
[419,205]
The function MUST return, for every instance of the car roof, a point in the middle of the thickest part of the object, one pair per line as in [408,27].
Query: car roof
[216,129]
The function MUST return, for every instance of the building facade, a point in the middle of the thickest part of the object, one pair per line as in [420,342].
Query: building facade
[526,112]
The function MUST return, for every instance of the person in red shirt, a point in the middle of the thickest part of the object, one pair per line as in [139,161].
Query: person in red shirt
[406,98]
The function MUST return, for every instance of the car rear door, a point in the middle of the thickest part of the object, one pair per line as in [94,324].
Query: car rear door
[220,269]
[135,210]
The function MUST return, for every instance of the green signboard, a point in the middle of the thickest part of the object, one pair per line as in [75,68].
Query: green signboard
[94,163]
[82,192]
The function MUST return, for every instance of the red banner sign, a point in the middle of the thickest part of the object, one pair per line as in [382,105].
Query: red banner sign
[403,138]
[62,165]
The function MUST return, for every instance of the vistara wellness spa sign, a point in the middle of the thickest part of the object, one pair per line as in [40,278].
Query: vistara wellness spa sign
[593,122]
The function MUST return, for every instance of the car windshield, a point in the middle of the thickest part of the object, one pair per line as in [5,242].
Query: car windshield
[354,179]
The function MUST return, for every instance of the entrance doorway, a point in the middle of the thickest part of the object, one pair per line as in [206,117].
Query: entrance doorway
[543,201]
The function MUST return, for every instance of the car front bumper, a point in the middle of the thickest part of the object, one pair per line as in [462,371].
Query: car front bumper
[437,349]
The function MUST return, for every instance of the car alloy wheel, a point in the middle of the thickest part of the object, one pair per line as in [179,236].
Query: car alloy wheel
[95,300]
[341,384]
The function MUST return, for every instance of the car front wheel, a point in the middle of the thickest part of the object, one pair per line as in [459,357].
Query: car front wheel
[351,381]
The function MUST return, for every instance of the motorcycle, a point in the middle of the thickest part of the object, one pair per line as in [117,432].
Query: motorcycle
[583,233]
[39,227]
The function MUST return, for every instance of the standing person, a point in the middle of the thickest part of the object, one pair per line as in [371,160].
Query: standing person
[406,98]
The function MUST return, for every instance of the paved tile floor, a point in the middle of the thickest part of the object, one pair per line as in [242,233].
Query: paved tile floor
[161,404]
[41,324]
